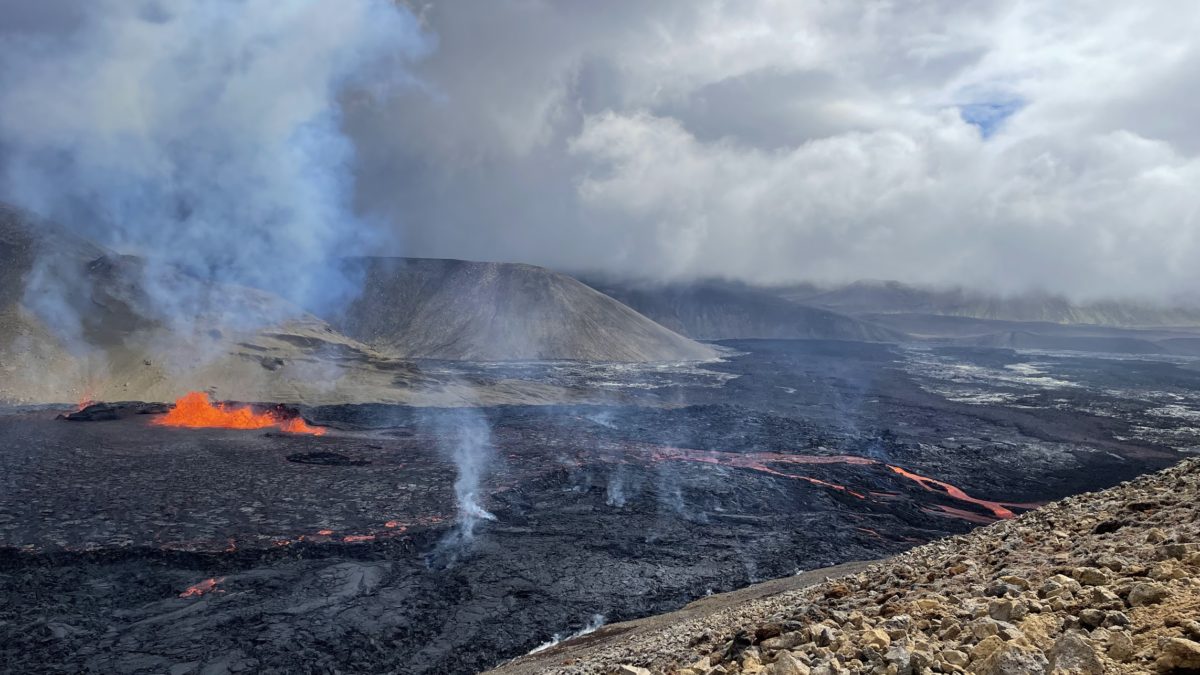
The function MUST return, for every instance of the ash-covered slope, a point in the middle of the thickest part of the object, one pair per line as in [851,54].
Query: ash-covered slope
[76,324]
[476,311]
[891,297]
[721,310]
[1097,583]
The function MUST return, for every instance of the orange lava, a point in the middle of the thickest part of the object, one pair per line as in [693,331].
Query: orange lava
[195,411]
[760,461]
[996,508]
[196,590]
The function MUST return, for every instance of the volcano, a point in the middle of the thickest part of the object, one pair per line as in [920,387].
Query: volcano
[474,311]
[76,323]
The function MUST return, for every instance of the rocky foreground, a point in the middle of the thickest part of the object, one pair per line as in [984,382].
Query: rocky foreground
[1107,582]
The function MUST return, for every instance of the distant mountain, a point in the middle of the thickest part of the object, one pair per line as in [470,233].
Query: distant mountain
[890,297]
[476,311]
[1094,344]
[717,310]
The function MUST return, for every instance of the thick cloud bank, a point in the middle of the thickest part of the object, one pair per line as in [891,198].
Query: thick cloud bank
[1008,145]
[1005,144]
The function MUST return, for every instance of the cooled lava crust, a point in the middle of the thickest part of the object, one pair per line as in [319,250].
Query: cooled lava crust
[131,547]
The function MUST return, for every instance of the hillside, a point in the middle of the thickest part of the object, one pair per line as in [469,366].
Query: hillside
[1098,583]
[77,324]
[890,297]
[461,310]
[720,310]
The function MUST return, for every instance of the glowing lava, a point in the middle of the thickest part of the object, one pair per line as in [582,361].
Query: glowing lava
[195,410]
[996,508]
[196,590]
[759,461]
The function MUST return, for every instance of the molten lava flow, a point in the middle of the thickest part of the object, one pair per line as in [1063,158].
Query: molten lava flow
[761,461]
[299,426]
[196,590]
[194,410]
[996,508]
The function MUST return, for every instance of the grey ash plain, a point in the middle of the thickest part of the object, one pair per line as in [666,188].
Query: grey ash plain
[670,491]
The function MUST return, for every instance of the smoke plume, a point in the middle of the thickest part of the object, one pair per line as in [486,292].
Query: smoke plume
[464,436]
[204,137]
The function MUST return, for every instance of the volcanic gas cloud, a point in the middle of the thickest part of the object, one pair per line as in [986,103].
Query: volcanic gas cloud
[195,410]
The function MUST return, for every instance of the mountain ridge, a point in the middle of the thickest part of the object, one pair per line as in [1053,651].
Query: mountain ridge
[722,310]
[868,297]
[485,311]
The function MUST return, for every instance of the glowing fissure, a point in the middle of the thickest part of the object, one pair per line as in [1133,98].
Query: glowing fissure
[757,461]
[195,410]
[998,509]
[198,589]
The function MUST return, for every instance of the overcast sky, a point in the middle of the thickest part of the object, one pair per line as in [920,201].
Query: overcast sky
[1003,144]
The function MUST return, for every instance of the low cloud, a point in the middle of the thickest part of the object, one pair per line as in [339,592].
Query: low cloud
[1005,144]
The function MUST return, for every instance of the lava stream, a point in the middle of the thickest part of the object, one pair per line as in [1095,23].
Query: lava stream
[206,586]
[758,462]
[996,508]
[194,410]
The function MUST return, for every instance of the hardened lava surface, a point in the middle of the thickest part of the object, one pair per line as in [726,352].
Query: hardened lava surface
[131,547]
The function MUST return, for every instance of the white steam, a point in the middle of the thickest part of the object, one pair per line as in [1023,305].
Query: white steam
[463,434]
[204,136]
[593,625]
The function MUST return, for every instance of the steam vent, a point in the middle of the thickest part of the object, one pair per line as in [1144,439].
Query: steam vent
[677,338]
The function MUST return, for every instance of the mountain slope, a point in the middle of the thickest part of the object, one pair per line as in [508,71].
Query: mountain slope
[719,310]
[76,323]
[455,309]
[890,297]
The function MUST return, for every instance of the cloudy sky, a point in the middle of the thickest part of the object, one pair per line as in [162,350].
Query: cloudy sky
[1009,145]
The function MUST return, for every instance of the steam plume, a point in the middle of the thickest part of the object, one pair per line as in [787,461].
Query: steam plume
[463,434]
[204,136]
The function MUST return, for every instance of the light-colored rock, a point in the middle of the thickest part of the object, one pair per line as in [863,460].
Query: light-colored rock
[1074,654]
[787,664]
[1120,646]
[1179,654]
[1012,659]
[955,658]
[1091,576]
[985,648]
[1147,593]
[876,638]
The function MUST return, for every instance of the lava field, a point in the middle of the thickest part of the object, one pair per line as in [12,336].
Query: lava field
[130,546]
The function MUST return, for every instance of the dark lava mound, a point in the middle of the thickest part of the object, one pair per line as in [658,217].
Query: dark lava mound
[326,459]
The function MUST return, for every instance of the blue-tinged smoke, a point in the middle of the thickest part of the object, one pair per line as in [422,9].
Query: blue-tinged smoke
[204,137]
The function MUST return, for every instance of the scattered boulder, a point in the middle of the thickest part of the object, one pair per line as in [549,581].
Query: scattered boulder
[1147,593]
[1012,659]
[1074,654]
[1179,655]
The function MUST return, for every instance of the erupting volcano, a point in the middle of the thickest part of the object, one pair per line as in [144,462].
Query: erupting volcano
[195,410]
